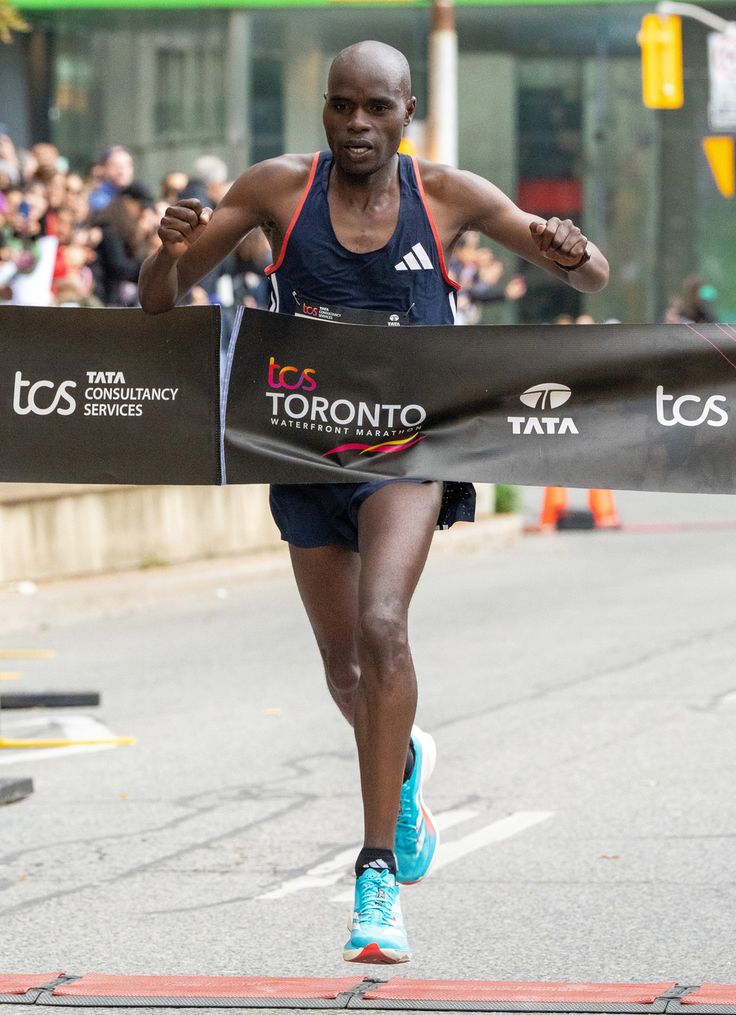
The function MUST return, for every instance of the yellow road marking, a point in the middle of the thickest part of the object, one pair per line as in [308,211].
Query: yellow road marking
[61,742]
[27,653]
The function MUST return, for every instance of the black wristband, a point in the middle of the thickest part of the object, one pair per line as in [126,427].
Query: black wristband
[574,267]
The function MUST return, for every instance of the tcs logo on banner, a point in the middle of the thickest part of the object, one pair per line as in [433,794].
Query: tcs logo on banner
[291,378]
[60,402]
[702,411]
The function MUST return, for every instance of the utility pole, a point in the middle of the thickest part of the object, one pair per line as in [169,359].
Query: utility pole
[443,84]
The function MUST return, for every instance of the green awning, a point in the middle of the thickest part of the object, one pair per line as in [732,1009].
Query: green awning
[50,5]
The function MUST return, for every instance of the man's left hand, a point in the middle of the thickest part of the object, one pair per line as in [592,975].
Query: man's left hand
[559,240]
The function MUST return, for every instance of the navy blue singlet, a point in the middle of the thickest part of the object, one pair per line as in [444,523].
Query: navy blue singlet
[403,283]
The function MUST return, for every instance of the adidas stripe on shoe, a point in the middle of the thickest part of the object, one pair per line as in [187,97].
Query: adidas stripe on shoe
[417,837]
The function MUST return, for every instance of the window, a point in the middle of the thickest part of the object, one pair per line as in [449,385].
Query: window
[189,93]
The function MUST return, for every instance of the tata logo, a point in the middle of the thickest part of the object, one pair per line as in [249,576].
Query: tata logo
[291,378]
[54,399]
[709,412]
[546,396]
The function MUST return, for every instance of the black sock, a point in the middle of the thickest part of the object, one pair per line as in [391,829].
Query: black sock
[377,859]
[409,763]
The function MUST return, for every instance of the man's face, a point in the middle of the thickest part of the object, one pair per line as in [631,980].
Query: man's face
[46,154]
[119,168]
[364,115]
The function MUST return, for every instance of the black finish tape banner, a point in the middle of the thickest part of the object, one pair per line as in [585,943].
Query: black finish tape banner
[116,396]
[109,396]
[650,408]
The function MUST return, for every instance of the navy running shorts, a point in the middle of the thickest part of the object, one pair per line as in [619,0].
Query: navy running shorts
[326,514]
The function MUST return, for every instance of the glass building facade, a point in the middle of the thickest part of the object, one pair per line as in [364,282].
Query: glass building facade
[549,102]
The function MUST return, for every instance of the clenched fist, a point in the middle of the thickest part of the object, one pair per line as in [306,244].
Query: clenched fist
[561,241]
[182,225]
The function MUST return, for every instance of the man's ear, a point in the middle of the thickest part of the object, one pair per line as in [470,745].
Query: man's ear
[410,108]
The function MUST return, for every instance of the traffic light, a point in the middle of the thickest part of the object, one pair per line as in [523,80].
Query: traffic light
[660,39]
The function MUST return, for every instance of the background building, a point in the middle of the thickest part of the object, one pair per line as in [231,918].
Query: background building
[550,110]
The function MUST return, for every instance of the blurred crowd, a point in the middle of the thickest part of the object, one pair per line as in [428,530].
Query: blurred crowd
[69,239]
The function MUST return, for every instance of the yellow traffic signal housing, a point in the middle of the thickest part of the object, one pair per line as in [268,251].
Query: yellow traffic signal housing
[660,39]
[719,151]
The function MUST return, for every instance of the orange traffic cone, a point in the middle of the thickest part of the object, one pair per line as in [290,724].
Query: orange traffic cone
[555,501]
[603,507]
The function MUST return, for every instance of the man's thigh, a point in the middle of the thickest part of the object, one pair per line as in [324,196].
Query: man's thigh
[395,529]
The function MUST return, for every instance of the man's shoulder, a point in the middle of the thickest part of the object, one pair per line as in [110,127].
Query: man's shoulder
[441,182]
[456,189]
[282,171]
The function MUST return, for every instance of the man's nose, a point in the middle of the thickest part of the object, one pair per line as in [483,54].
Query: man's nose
[358,120]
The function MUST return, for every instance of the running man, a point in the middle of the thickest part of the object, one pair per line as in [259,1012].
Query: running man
[363,228]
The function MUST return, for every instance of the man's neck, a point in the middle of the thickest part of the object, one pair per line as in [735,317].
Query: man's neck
[364,189]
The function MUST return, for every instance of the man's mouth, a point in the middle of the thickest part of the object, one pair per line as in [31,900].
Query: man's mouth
[357,148]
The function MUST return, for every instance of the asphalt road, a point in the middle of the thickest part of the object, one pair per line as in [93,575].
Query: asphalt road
[582,692]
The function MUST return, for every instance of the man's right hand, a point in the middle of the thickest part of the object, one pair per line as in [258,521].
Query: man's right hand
[182,225]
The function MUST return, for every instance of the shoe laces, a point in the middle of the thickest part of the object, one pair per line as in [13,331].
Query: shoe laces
[377,896]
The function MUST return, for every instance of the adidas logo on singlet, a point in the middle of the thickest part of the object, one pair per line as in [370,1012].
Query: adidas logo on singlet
[415,260]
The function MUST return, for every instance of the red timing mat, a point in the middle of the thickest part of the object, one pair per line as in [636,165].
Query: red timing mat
[523,993]
[104,985]
[381,991]
[712,993]
[19,983]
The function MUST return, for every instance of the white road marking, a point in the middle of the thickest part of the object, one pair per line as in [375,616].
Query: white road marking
[331,871]
[71,727]
[449,852]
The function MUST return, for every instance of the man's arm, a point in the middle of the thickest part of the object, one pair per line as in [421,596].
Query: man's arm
[195,239]
[466,201]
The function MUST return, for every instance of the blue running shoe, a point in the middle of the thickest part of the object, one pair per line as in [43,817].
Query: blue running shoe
[377,934]
[417,837]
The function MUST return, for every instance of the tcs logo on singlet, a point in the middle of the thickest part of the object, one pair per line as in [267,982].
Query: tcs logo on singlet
[291,378]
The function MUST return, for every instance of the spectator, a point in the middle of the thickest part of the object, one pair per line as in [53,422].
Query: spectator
[211,172]
[47,157]
[124,245]
[697,302]
[116,173]
[9,161]
[9,177]
[487,285]
[481,275]
[173,186]
[252,255]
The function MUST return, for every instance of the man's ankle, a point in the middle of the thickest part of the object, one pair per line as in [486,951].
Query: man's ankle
[371,858]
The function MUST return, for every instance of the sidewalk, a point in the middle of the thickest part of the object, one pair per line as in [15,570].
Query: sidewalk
[29,606]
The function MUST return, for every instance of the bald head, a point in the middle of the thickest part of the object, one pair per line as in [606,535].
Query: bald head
[368,104]
[371,59]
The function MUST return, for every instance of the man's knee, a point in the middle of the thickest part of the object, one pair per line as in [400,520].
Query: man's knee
[341,669]
[382,640]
